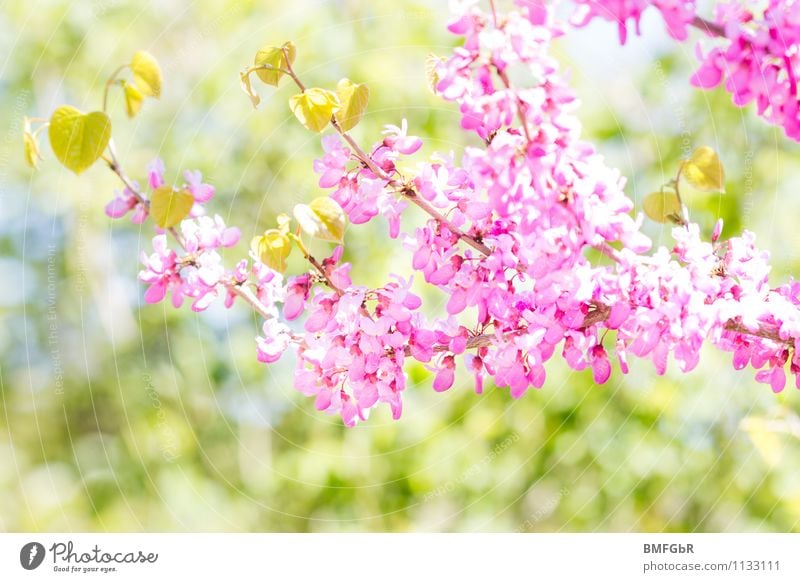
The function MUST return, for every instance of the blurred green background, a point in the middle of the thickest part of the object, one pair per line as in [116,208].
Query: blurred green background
[117,415]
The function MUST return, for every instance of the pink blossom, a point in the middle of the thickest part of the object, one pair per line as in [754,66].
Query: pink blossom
[202,192]
[397,139]
[332,166]
[272,345]
[161,272]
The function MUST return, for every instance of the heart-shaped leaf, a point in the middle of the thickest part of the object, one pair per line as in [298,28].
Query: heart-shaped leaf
[169,206]
[704,170]
[146,74]
[274,56]
[353,99]
[78,139]
[323,218]
[133,99]
[272,249]
[314,108]
[663,206]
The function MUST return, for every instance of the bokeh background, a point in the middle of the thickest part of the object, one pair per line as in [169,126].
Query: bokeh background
[116,415]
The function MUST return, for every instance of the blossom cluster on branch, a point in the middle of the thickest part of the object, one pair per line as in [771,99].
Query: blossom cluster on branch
[755,55]
[510,228]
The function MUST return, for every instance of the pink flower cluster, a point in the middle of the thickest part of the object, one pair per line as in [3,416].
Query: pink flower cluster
[756,59]
[536,197]
[198,274]
[678,14]
[505,241]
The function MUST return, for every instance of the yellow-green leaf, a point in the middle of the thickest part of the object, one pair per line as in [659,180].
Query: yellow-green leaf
[353,99]
[169,206]
[323,219]
[78,138]
[146,74]
[704,170]
[274,56]
[663,206]
[31,145]
[244,77]
[133,99]
[314,108]
[272,249]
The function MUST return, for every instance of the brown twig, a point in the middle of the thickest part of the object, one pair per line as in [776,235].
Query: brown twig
[234,287]
[710,28]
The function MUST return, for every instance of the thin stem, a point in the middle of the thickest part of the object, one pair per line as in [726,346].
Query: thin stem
[710,28]
[316,264]
[683,219]
[40,128]
[109,83]
[600,315]
[494,12]
[250,298]
[412,195]
[520,105]
[405,190]
[290,70]
[608,251]
[234,287]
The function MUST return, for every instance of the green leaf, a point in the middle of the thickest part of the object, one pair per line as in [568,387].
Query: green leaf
[274,56]
[244,77]
[704,170]
[323,219]
[272,249]
[133,99]
[663,206]
[31,145]
[353,99]
[78,139]
[314,108]
[169,206]
[146,74]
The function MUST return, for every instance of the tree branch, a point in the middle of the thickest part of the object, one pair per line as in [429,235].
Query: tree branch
[234,287]
[710,28]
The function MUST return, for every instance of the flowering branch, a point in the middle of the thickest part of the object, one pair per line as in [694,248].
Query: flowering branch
[530,201]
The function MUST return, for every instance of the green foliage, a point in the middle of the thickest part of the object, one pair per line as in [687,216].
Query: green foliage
[323,218]
[150,419]
[274,246]
[663,206]
[274,57]
[704,170]
[78,139]
[169,206]
[315,107]
[146,74]
[353,99]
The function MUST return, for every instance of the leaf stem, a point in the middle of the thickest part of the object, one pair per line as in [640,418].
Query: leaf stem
[315,263]
[233,286]
[683,217]
[109,83]
[404,189]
